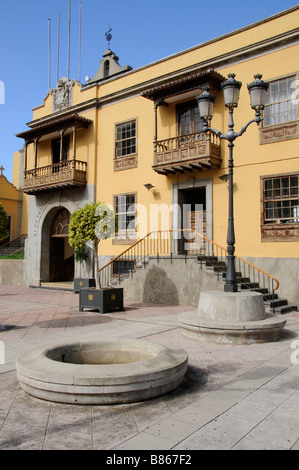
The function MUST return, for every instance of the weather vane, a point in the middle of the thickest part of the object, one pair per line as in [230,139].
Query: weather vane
[108,36]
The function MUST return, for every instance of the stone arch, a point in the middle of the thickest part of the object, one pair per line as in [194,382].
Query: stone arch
[46,243]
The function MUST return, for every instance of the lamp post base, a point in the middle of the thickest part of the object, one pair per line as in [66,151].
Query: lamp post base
[233,318]
[230,288]
[230,279]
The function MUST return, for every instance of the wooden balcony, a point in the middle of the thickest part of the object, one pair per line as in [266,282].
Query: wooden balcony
[187,153]
[67,174]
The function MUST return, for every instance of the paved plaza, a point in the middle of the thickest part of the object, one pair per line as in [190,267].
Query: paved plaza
[240,397]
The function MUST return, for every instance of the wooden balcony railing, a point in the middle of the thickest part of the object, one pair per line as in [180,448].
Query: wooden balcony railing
[187,153]
[70,173]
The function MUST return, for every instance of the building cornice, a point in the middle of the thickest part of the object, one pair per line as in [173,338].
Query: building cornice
[217,62]
[268,45]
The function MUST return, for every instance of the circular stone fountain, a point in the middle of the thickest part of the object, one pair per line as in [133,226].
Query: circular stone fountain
[237,317]
[101,372]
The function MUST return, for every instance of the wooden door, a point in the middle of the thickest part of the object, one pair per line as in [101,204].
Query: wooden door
[61,267]
[57,258]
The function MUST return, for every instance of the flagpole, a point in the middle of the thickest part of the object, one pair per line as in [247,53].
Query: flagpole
[80,36]
[49,23]
[69,43]
[58,41]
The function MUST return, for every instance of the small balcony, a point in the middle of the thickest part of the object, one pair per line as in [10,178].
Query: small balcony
[66,174]
[190,152]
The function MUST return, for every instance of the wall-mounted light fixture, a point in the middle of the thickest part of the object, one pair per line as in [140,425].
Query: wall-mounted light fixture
[150,187]
[224,177]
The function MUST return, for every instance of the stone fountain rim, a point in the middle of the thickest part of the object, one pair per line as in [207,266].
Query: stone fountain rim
[258,331]
[99,384]
[36,364]
[270,321]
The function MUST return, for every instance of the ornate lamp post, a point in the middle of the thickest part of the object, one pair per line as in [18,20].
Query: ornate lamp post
[231,90]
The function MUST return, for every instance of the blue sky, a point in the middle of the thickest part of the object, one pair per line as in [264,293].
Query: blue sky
[142,32]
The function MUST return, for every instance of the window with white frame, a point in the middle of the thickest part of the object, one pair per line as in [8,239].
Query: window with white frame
[125,142]
[125,211]
[281,106]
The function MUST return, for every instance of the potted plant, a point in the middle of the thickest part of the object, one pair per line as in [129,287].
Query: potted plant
[93,223]
[81,255]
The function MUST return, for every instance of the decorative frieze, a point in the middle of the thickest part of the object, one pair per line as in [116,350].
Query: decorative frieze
[279,132]
[273,233]
[124,163]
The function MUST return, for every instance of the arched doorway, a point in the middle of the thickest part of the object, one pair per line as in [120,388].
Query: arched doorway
[61,253]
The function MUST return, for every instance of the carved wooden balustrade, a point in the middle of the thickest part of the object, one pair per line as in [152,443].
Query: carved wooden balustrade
[187,153]
[70,173]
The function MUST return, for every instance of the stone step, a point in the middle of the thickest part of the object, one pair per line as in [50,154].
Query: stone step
[249,285]
[277,302]
[263,291]
[207,258]
[286,309]
[242,280]
[220,269]
[238,275]
[216,264]
[269,296]
[281,306]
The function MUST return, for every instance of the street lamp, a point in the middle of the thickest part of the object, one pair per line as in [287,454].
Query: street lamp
[231,90]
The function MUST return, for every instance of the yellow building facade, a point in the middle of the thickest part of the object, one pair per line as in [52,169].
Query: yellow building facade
[11,200]
[134,139]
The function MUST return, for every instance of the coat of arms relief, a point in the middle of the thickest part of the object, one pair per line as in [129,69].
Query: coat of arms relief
[62,96]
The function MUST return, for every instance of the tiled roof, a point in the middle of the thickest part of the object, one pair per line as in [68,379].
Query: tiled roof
[187,82]
[72,120]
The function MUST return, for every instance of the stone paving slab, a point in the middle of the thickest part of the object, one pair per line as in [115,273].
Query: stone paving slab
[243,397]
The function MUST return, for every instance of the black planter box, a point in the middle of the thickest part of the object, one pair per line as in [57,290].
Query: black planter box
[103,300]
[80,282]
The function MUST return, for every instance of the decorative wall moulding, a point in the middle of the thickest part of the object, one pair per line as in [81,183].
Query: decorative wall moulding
[273,233]
[279,132]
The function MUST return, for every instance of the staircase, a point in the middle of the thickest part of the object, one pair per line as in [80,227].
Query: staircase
[252,282]
[13,246]
[210,256]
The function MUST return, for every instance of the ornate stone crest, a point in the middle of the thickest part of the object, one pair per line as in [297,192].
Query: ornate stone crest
[62,96]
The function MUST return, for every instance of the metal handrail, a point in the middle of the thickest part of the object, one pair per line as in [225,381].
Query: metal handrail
[14,240]
[210,253]
[260,271]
